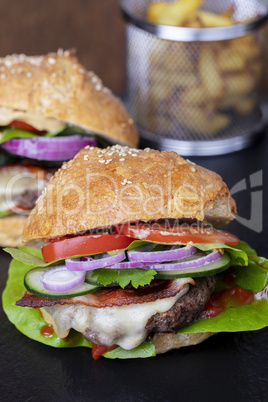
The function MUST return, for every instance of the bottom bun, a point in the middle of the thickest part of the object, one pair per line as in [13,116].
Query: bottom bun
[165,342]
[11,228]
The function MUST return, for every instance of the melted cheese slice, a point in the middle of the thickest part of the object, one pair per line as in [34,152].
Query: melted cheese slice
[39,122]
[123,325]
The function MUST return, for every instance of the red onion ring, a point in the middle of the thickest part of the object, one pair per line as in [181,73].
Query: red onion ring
[192,263]
[143,254]
[60,279]
[130,264]
[48,148]
[103,260]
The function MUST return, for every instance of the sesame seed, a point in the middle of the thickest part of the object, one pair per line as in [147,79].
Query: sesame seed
[94,79]
[29,75]
[51,60]
[3,76]
[102,160]
[121,160]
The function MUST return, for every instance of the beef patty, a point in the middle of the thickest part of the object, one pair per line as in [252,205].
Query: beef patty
[186,309]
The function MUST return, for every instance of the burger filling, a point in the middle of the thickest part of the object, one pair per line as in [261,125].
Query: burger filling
[120,285]
[32,147]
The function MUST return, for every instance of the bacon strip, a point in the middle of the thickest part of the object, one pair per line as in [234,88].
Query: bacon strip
[109,297]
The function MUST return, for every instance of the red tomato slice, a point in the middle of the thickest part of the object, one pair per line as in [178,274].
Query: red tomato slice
[84,245]
[24,126]
[161,233]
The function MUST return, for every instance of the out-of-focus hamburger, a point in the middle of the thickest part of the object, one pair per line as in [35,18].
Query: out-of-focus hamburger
[131,262]
[50,108]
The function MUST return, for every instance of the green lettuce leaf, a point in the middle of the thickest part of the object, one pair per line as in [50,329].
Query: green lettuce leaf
[253,316]
[4,213]
[26,256]
[12,133]
[145,349]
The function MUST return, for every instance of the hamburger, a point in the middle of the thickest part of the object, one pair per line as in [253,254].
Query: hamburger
[50,108]
[132,262]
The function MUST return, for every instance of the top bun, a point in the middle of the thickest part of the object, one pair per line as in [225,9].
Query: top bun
[56,85]
[104,187]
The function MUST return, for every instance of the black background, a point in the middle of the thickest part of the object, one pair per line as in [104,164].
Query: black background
[226,367]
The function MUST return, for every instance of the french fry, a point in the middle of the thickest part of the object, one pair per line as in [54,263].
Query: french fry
[195,120]
[194,96]
[229,60]
[209,74]
[239,84]
[155,10]
[247,46]
[158,92]
[194,22]
[174,79]
[228,12]
[172,56]
[210,20]
[174,13]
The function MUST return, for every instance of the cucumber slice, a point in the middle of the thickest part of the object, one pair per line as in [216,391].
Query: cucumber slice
[88,279]
[34,285]
[209,269]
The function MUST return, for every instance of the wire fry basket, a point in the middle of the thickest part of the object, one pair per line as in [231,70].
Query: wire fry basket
[196,90]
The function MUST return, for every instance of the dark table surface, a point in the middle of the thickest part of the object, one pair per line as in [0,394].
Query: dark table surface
[226,367]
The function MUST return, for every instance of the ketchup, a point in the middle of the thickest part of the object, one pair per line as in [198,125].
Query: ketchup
[218,302]
[47,331]
[99,350]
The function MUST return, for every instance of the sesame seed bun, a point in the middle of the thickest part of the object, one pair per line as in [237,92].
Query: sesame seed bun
[11,228]
[165,342]
[58,86]
[105,187]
